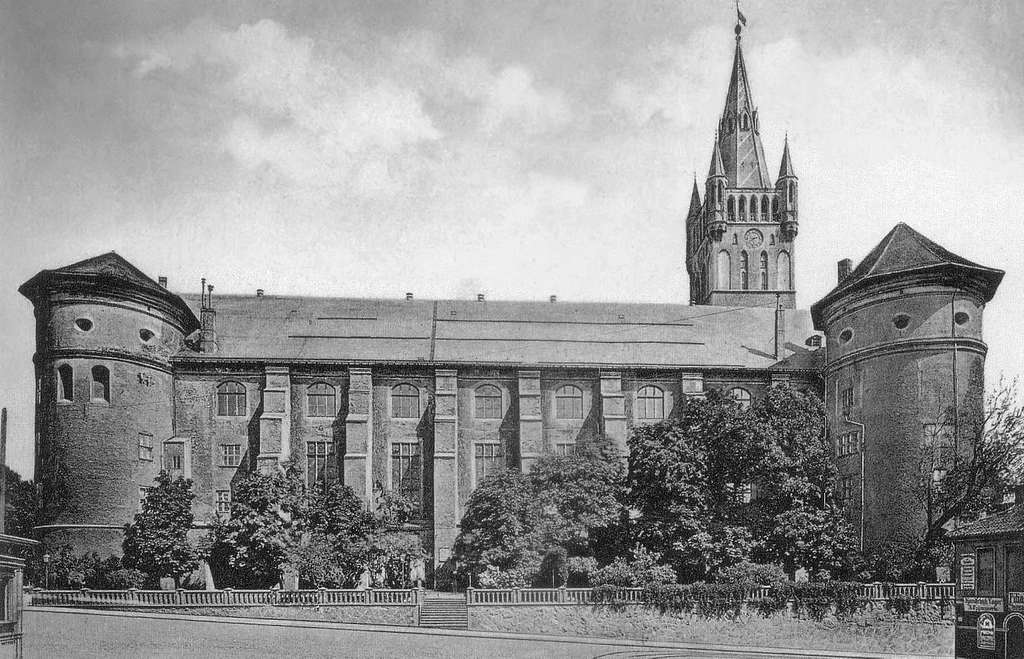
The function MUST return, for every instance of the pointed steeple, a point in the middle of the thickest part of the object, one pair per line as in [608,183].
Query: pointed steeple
[786,170]
[717,166]
[694,200]
[739,134]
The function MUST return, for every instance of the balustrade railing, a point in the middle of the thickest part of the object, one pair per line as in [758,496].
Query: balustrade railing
[227,597]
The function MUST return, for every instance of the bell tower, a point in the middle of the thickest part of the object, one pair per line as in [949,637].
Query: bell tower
[740,240]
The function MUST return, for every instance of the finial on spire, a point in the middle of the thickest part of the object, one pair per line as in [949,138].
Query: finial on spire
[741,21]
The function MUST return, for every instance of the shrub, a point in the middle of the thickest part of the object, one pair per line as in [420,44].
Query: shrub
[579,569]
[747,572]
[641,569]
[125,578]
[493,577]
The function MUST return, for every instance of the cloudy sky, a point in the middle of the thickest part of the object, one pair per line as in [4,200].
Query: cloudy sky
[520,148]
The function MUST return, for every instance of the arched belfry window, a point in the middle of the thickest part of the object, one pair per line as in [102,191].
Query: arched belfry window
[764,208]
[783,274]
[65,382]
[100,384]
[405,402]
[230,399]
[743,209]
[763,272]
[775,207]
[792,194]
[731,209]
[487,402]
[650,403]
[744,271]
[753,208]
[724,271]
[721,192]
[569,402]
[320,400]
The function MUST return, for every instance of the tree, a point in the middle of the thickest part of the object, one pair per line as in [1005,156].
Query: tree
[156,542]
[334,547]
[720,484]
[249,548]
[21,505]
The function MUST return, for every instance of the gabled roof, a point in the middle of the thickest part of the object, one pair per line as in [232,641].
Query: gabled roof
[904,252]
[742,152]
[1009,521]
[512,333]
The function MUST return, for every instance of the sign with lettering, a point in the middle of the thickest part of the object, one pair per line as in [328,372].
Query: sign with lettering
[986,632]
[967,564]
[975,604]
[1015,601]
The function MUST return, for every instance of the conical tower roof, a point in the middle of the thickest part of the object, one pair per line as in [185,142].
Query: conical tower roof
[786,169]
[694,200]
[717,167]
[742,152]
[904,253]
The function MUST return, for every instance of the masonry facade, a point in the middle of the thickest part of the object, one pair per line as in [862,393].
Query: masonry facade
[426,397]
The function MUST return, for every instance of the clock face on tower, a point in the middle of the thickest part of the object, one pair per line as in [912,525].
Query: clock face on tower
[753,238]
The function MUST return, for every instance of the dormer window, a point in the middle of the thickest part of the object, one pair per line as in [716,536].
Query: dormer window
[745,122]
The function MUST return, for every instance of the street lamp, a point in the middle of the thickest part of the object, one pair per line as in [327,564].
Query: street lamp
[46,570]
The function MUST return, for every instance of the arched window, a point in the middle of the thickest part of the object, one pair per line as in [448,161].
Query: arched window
[783,274]
[65,382]
[405,402]
[487,402]
[763,272]
[764,208]
[650,403]
[741,396]
[731,208]
[775,207]
[745,122]
[724,271]
[743,209]
[320,400]
[721,192]
[100,384]
[230,399]
[732,124]
[569,402]
[744,271]
[753,208]
[792,195]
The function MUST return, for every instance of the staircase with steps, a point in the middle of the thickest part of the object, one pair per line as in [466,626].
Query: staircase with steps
[444,611]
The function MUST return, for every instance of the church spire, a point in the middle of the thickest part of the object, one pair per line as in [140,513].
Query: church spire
[740,129]
[695,205]
[717,167]
[786,169]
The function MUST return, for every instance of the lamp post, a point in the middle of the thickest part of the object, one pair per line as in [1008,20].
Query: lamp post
[46,570]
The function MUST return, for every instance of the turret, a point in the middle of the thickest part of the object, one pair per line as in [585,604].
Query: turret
[105,333]
[714,195]
[786,187]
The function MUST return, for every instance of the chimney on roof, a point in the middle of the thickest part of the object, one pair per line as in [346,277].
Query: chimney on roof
[553,299]
[408,296]
[479,297]
[780,326]
[162,280]
[207,322]
[845,268]
[259,292]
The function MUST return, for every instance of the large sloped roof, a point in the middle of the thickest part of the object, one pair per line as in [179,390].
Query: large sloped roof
[905,251]
[1008,521]
[503,332]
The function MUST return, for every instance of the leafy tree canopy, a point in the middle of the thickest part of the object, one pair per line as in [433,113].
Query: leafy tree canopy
[156,542]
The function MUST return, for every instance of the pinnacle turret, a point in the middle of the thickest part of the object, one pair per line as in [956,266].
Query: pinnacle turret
[694,200]
[717,166]
[786,169]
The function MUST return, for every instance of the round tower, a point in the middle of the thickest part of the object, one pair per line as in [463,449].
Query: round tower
[904,370]
[104,395]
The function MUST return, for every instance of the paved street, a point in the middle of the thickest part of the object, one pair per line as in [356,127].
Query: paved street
[84,634]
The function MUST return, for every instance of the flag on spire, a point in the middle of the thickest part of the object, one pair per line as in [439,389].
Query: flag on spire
[739,15]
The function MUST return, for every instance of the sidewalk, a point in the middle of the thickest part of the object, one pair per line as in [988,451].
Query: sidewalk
[722,650]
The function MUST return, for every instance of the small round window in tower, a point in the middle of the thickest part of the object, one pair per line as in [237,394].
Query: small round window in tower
[901,321]
[84,324]
[146,335]
[961,318]
[846,335]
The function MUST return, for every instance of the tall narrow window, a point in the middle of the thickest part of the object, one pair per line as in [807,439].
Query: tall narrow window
[320,400]
[320,467]
[230,399]
[487,402]
[223,502]
[405,402]
[721,192]
[986,571]
[406,472]
[650,403]
[65,382]
[783,276]
[100,384]
[753,208]
[230,455]
[764,208]
[724,271]
[487,459]
[763,272]
[569,403]
[775,207]
[741,396]
[731,209]
[847,487]
[743,209]
[1014,568]
[145,446]
[792,195]
[746,121]
[744,271]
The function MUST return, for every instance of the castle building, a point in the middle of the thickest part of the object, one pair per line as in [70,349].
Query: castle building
[426,397]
